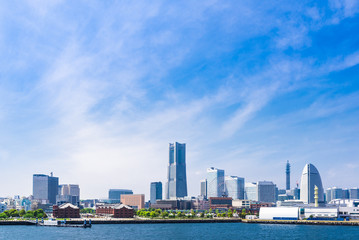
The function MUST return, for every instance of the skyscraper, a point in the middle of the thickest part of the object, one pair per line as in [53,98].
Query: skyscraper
[310,178]
[251,191]
[234,187]
[68,193]
[45,188]
[156,192]
[287,173]
[176,185]
[266,191]
[215,182]
[204,188]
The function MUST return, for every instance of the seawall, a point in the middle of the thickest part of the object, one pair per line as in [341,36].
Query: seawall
[302,222]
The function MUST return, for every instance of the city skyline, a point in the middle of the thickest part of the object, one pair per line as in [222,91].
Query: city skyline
[95,91]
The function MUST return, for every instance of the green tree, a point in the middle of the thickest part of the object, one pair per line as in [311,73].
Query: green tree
[243,214]
[12,213]
[153,214]
[3,215]
[164,214]
[179,214]
[22,213]
[201,215]
[230,213]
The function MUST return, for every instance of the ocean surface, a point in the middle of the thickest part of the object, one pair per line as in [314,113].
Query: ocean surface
[192,231]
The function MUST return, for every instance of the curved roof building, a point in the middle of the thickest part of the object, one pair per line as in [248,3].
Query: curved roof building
[310,178]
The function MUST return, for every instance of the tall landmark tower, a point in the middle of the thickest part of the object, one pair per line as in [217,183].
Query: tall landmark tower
[310,179]
[287,173]
[176,185]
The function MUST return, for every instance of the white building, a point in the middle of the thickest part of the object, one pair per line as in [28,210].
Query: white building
[234,187]
[310,179]
[215,182]
[251,191]
[241,203]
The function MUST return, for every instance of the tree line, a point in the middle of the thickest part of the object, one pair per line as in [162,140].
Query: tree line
[13,213]
[158,213]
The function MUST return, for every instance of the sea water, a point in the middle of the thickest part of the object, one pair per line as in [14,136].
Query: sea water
[207,231]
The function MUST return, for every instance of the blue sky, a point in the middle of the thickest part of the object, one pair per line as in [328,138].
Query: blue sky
[95,90]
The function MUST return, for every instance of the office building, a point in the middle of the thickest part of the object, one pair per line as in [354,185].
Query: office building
[156,192]
[287,173]
[68,193]
[45,188]
[251,191]
[176,185]
[266,191]
[310,178]
[220,202]
[346,193]
[354,193]
[136,201]
[204,188]
[114,195]
[215,182]
[234,187]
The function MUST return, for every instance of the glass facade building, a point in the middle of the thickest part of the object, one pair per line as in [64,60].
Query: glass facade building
[156,192]
[266,192]
[68,193]
[251,191]
[115,194]
[215,182]
[310,178]
[204,188]
[234,187]
[354,193]
[176,185]
[45,188]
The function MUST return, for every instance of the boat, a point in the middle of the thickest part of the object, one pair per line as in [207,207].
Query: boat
[55,223]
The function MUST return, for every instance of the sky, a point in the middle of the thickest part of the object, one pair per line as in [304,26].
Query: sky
[94,91]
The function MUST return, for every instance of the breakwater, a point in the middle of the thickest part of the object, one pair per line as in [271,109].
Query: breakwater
[154,221]
[5,222]
[302,222]
[219,220]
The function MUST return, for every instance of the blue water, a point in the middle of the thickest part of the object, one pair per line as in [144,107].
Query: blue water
[193,231]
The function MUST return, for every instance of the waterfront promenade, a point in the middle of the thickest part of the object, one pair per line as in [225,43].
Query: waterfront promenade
[173,221]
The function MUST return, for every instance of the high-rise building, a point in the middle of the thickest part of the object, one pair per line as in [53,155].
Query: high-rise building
[45,188]
[354,193]
[310,179]
[204,188]
[176,185]
[215,182]
[266,192]
[251,191]
[287,173]
[114,195]
[156,192]
[346,193]
[68,193]
[234,187]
